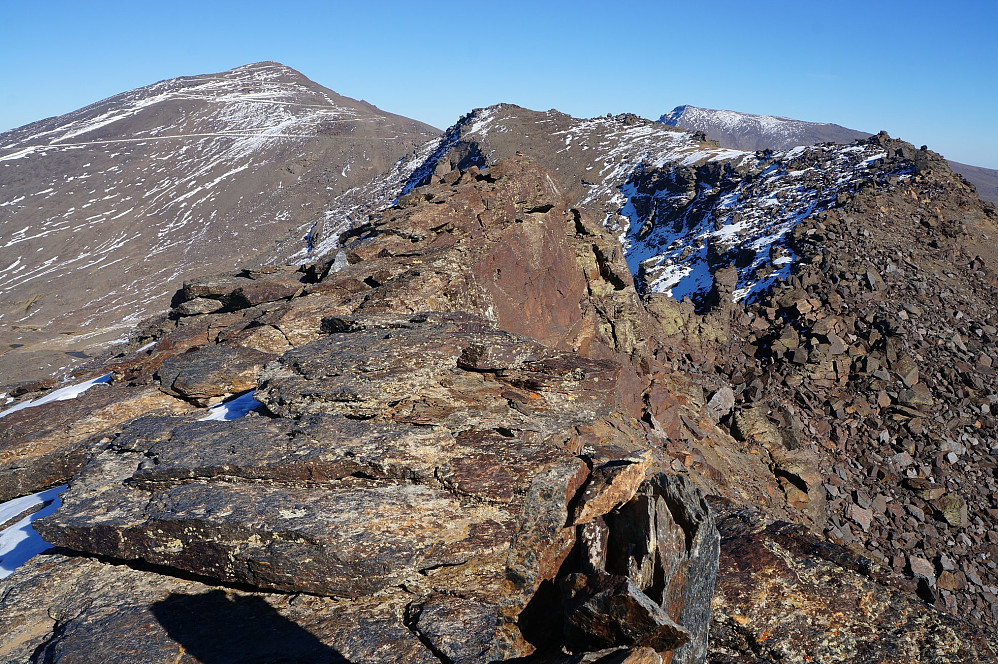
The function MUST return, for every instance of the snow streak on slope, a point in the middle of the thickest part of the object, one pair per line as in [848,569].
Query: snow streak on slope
[250,104]
[104,211]
[676,237]
[622,148]
[602,152]
[61,394]
[705,118]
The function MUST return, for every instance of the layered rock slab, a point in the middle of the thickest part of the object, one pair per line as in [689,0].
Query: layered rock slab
[432,452]
[43,446]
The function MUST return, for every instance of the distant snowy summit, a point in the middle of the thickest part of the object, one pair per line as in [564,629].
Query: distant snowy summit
[120,201]
[745,131]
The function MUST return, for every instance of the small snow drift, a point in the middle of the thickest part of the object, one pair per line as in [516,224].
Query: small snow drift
[234,408]
[18,541]
[61,394]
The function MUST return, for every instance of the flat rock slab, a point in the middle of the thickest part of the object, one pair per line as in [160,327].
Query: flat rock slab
[206,372]
[451,370]
[69,610]
[349,540]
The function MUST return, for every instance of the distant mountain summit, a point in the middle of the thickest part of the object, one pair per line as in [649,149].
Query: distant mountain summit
[106,210]
[745,131]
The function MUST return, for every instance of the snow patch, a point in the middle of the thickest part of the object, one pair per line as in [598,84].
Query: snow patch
[19,542]
[233,409]
[61,394]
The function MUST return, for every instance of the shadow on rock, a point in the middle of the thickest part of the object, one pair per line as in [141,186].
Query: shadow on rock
[216,628]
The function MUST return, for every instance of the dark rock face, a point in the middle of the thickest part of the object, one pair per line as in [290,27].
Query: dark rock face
[864,378]
[204,374]
[874,356]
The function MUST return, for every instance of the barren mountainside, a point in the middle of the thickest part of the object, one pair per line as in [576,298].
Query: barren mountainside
[534,389]
[105,211]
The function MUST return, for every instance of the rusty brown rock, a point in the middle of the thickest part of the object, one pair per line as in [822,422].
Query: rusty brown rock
[208,372]
[840,613]
[611,485]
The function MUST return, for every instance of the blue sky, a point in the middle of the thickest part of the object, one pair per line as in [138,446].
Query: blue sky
[924,71]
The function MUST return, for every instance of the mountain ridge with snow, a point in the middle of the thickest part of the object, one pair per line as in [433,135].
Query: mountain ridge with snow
[122,200]
[747,131]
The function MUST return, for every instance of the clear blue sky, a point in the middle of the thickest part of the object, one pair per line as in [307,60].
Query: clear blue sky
[924,71]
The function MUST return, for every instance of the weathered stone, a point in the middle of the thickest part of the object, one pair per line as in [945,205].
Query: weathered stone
[258,534]
[827,584]
[459,629]
[835,344]
[611,485]
[861,515]
[603,610]
[614,656]
[925,489]
[198,305]
[259,291]
[953,509]
[213,371]
[74,609]
[721,403]
[214,287]
[922,568]
[43,446]
[907,371]
[918,396]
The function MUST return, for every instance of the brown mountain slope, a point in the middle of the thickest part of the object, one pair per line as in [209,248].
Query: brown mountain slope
[105,211]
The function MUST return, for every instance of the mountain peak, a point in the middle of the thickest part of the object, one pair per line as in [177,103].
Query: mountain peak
[749,131]
[158,179]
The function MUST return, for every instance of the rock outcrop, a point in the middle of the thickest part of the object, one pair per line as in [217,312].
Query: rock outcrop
[474,441]
[450,436]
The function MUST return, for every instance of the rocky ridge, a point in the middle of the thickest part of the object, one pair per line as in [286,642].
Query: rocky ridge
[512,444]
[422,470]
[591,158]
[877,364]
[745,131]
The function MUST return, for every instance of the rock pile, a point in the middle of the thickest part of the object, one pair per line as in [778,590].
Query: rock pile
[873,362]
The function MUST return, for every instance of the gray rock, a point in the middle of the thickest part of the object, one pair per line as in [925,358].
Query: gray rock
[721,403]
